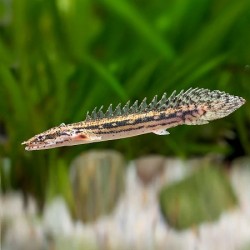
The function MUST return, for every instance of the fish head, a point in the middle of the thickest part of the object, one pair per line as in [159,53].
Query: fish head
[63,135]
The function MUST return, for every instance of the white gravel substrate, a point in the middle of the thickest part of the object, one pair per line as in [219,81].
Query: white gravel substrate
[136,222]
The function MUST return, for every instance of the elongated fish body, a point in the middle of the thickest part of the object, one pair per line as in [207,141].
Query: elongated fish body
[192,107]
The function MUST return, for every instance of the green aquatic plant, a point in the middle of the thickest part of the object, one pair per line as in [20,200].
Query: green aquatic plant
[62,58]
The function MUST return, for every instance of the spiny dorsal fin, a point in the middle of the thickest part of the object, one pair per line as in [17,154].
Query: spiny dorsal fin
[216,99]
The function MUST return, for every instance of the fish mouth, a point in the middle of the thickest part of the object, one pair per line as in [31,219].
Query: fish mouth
[33,144]
[27,146]
[36,146]
[45,141]
[65,140]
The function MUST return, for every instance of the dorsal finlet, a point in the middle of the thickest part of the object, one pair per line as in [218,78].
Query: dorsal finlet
[109,111]
[94,114]
[100,113]
[88,117]
[126,108]
[134,107]
[153,103]
[118,110]
[143,106]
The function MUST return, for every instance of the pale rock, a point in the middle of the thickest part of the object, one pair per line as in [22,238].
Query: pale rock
[149,167]
[97,178]
[240,178]
[57,219]
[11,206]
[23,235]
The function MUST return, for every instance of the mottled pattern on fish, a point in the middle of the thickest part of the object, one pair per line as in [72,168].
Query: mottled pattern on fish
[192,107]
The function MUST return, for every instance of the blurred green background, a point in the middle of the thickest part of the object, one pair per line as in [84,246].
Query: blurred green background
[59,59]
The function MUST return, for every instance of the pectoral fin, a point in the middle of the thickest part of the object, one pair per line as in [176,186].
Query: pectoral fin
[161,132]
